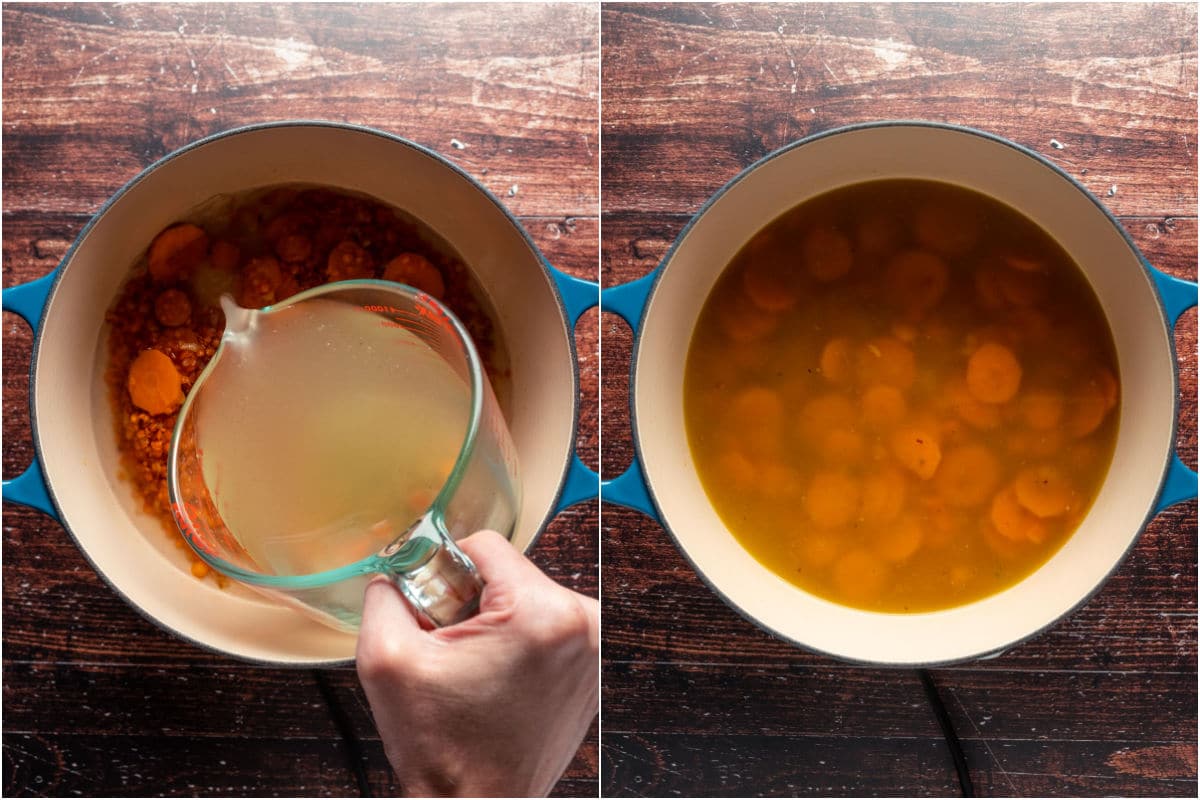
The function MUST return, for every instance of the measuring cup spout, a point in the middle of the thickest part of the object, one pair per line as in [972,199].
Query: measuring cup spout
[237,319]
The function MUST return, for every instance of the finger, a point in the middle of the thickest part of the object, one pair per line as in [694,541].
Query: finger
[506,573]
[497,561]
[389,627]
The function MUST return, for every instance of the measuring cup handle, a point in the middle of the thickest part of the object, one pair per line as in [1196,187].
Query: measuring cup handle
[436,577]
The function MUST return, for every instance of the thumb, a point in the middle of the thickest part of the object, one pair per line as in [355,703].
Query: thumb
[504,570]
[390,630]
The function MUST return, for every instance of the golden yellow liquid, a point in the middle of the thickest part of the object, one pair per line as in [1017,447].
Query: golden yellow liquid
[326,433]
[902,396]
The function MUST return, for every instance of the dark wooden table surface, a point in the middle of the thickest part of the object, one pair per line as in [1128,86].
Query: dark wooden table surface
[97,701]
[697,701]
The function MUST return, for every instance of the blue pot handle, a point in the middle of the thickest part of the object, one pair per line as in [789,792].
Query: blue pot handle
[630,489]
[629,299]
[1177,296]
[578,296]
[29,301]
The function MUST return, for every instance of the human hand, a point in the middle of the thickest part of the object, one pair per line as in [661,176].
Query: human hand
[495,705]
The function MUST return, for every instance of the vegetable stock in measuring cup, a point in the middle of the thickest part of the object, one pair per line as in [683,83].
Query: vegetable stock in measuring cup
[346,432]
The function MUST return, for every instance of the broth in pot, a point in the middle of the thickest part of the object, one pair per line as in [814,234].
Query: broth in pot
[902,396]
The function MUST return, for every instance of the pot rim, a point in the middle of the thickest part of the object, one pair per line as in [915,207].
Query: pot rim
[662,266]
[61,269]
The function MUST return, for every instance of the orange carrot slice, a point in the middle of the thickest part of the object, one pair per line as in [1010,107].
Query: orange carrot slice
[1042,409]
[883,406]
[901,539]
[968,475]
[416,271]
[832,499]
[1012,520]
[1045,491]
[883,495]
[835,360]
[917,280]
[176,251]
[993,373]
[888,360]
[172,308]
[154,384]
[772,286]
[823,413]
[917,449]
[827,254]
[950,229]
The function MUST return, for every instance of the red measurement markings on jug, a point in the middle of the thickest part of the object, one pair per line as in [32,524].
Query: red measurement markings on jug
[184,514]
[426,312]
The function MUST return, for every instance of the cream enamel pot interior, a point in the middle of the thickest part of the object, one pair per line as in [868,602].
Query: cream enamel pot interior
[75,475]
[1141,305]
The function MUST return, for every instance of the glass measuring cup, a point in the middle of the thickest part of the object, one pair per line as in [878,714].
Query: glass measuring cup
[346,432]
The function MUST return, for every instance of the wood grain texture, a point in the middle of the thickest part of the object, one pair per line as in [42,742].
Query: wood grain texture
[98,700]
[698,701]
[850,766]
[744,79]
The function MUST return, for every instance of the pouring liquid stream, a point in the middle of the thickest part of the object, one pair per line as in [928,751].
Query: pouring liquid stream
[325,432]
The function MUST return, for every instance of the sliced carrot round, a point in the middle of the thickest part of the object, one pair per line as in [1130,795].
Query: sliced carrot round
[951,229]
[755,415]
[154,384]
[417,271]
[878,233]
[904,331]
[968,475]
[917,280]
[901,539]
[945,525]
[176,251]
[777,481]
[885,359]
[1045,491]
[827,254]
[1106,386]
[832,499]
[172,308]
[988,289]
[736,469]
[260,278]
[973,411]
[993,373]
[1001,545]
[843,446]
[824,413]
[1012,520]
[817,549]
[883,495]
[1022,288]
[835,360]
[1088,408]
[1047,443]
[917,449]
[769,285]
[883,406]
[1042,409]
[349,260]
[742,321]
